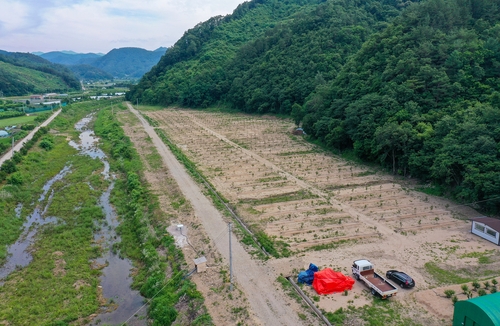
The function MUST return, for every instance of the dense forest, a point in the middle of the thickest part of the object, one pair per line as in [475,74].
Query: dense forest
[24,73]
[412,85]
[88,72]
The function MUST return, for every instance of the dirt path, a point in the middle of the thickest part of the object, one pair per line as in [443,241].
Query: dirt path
[255,278]
[21,143]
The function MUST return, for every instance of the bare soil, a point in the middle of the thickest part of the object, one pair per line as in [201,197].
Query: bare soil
[328,210]
[205,232]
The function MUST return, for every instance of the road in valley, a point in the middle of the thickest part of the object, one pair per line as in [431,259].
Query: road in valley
[255,278]
[20,144]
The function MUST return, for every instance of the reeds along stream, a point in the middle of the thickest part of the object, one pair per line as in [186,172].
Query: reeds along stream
[18,254]
[115,280]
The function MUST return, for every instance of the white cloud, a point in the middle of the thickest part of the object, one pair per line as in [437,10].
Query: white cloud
[99,26]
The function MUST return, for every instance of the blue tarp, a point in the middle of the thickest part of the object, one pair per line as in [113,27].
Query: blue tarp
[307,277]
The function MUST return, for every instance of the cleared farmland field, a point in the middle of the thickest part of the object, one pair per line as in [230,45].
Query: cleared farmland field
[291,190]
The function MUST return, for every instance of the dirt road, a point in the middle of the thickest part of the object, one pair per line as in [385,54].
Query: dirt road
[255,278]
[20,144]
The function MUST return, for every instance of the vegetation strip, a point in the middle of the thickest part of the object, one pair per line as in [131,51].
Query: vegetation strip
[309,301]
[143,235]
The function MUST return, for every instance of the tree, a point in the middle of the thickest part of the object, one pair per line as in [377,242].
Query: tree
[297,114]
[392,140]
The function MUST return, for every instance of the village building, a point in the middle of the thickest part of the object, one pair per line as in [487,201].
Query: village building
[487,228]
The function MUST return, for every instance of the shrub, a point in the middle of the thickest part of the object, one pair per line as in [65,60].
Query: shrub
[476,285]
[9,167]
[16,179]
[454,299]
[465,288]
[47,143]
[481,292]
[28,127]
[449,293]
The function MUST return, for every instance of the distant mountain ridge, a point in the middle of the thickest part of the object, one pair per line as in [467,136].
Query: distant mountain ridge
[129,62]
[65,58]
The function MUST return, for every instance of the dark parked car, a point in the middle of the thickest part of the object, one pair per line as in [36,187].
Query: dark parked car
[403,279]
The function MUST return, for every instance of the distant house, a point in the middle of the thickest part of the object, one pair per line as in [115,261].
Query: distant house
[299,132]
[36,98]
[487,228]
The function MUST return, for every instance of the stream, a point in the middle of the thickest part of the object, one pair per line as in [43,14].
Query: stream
[115,278]
[115,281]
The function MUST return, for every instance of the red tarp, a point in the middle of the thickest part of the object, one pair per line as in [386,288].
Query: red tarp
[328,281]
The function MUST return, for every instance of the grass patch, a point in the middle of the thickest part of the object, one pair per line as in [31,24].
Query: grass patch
[434,190]
[383,312]
[482,257]
[365,173]
[271,179]
[47,297]
[299,195]
[312,151]
[443,276]
[17,121]
[331,245]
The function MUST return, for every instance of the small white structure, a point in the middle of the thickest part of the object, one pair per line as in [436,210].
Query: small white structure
[4,133]
[200,264]
[487,228]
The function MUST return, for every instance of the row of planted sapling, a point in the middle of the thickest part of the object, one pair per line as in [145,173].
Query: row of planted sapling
[246,177]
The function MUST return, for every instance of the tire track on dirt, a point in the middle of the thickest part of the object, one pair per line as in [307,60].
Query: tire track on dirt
[255,278]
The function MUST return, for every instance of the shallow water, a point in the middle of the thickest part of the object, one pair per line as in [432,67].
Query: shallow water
[115,279]
[18,254]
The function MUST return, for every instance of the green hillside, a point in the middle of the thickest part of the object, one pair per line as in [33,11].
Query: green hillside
[24,73]
[16,80]
[192,72]
[413,86]
[88,72]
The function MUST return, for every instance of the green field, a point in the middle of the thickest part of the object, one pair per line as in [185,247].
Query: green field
[17,121]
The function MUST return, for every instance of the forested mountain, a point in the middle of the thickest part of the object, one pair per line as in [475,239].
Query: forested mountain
[120,63]
[422,97]
[414,86]
[65,58]
[193,71]
[24,73]
[128,62]
[88,72]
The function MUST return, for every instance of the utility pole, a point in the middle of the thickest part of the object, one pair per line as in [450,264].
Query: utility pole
[230,261]
[137,103]
[13,154]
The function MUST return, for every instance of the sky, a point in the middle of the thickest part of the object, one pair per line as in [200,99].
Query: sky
[98,26]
